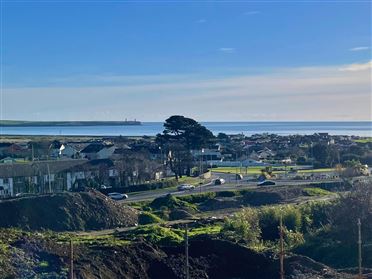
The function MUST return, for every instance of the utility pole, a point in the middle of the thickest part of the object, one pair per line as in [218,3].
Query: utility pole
[49,182]
[360,273]
[187,252]
[71,268]
[281,253]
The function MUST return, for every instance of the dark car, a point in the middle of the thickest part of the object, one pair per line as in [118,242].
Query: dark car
[266,183]
[219,181]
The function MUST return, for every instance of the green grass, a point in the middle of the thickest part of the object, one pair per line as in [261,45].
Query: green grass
[92,240]
[43,264]
[313,191]
[257,170]
[243,170]
[365,140]
[187,180]
[158,235]
[213,229]
[317,170]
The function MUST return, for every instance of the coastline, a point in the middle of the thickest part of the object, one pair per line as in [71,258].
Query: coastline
[15,123]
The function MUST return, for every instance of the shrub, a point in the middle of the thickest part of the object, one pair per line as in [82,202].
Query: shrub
[243,226]
[198,198]
[269,220]
[226,194]
[159,235]
[171,202]
[146,218]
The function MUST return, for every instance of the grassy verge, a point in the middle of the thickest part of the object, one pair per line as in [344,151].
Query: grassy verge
[257,170]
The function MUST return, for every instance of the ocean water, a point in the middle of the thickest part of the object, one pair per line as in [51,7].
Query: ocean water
[247,128]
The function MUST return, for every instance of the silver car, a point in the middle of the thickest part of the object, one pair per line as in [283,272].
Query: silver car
[117,196]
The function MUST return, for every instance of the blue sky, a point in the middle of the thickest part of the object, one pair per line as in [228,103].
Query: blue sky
[213,61]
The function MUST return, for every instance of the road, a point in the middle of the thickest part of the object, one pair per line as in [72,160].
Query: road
[210,187]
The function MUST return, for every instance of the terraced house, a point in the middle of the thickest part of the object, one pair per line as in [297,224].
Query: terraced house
[35,177]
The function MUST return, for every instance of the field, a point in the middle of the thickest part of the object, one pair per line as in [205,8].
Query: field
[364,140]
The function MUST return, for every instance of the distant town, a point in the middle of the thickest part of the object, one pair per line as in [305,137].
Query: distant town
[50,164]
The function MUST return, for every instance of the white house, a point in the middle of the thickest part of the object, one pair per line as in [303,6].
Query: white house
[67,151]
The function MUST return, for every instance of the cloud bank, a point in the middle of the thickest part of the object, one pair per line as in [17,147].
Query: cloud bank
[302,93]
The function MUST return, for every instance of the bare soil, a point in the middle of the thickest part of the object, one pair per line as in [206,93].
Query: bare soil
[66,212]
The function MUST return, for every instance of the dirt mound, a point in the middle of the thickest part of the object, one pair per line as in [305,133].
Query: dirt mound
[212,258]
[66,212]
[259,197]
[209,258]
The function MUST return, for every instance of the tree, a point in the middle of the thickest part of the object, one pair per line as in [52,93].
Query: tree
[325,155]
[345,213]
[180,136]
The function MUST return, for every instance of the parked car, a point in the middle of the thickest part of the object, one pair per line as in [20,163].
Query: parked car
[219,181]
[266,183]
[117,196]
[185,187]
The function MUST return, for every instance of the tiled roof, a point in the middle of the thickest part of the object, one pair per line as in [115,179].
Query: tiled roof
[37,168]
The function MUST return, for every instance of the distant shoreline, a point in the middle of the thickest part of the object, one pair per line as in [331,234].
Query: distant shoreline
[16,123]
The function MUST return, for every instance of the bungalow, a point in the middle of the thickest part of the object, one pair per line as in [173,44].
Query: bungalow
[98,151]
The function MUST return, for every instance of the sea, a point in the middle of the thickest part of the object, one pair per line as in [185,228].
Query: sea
[363,129]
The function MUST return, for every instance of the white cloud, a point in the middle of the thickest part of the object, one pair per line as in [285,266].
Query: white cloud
[361,48]
[252,13]
[202,20]
[357,67]
[300,93]
[227,49]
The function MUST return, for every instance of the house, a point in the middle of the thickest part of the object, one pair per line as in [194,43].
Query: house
[206,154]
[266,153]
[67,151]
[96,151]
[35,177]
[91,173]
[4,147]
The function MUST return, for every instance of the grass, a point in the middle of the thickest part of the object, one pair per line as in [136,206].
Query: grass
[92,240]
[313,191]
[158,235]
[257,170]
[317,170]
[365,140]
[43,264]
[209,230]
[187,180]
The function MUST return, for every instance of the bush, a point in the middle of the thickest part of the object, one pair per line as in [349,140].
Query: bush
[146,218]
[243,226]
[314,215]
[171,202]
[159,235]
[226,194]
[198,198]
[142,187]
[270,216]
